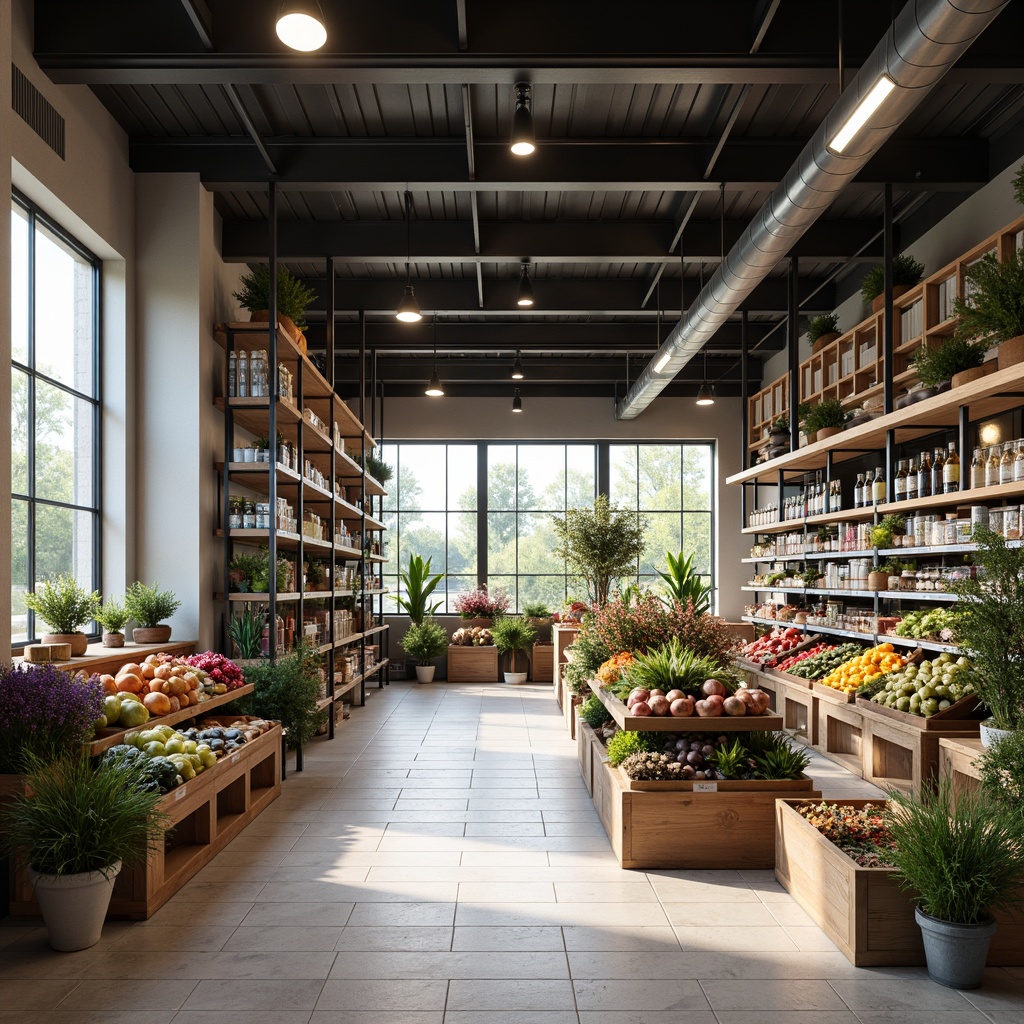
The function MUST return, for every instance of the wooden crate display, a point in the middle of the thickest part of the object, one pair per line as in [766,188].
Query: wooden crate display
[472,664]
[563,636]
[205,814]
[799,709]
[863,910]
[586,743]
[957,755]
[570,702]
[841,734]
[542,663]
[686,829]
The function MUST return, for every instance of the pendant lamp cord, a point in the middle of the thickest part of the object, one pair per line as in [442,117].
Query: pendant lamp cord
[408,235]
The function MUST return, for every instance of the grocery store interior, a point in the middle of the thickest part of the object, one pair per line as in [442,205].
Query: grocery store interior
[625,365]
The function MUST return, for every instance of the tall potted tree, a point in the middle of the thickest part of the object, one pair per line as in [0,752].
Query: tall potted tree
[513,636]
[425,641]
[600,544]
[65,606]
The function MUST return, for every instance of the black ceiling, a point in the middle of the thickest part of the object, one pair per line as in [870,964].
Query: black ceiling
[656,121]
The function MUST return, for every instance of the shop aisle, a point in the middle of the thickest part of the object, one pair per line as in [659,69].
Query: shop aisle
[440,862]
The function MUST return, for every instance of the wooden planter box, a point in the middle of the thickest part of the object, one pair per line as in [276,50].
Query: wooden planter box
[542,663]
[570,702]
[586,744]
[472,664]
[863,910]
[205,813]
[563,636]
[683,828]
[957,755]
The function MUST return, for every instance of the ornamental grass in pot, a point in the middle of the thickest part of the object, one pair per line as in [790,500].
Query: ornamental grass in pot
[424,641]
[65,606]
[514,636]
[75,826]
[147,608]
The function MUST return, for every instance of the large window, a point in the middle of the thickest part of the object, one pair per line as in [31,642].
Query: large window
[482,511]
[55,489]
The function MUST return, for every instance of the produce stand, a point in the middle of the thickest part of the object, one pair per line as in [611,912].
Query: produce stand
[957,755]
[862,909]
[841,733]
[205,813]
[542,663]
[562,637]
[107,660]
[570,702]
[468,664]
[587,744]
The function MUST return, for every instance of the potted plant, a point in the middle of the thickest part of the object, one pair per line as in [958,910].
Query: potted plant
[148,607]
[778,432]
[822,329]
[418,585]
[481,607]
[378,469]
[989,626]
[113,617]
[538,615]
[293,297]
[424,641]
[889,527]
[906,272]
[961,855]
[684,584]
[75,825]
[65,606]
[513,635]
[826,418]
[600,544]
[245,632]
[954,361]
[994,311]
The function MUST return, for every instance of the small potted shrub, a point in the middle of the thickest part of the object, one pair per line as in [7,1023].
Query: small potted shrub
[954,361]
[293,297]
[378,469]
[826,418]
[994,312]
[65,606]
[113,617]
[288,692]
[148,607]
[778,432]
[245,632]
[822,329]
[513,636]
[425,641]
[538,615]
[906,272]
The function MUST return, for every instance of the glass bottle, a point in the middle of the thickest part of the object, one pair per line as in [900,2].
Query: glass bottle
[992,466]
[232,373]
[1018,464]
[924,476]
[900,482]
[1006,464]
[911,491]
[951,471]
[977,469]
[937,460]
[878,487]
[858,491]
[243,374]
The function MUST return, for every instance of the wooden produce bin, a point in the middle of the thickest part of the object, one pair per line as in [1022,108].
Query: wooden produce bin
[99,659]
[863,910]
[563,636]
[468,664]
[957,755]
[569,704]
[205,813]
[798,706]
[840,731]
[542,663]
[731,827]
[587,744]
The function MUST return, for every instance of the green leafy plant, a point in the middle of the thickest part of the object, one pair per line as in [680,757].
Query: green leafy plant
[936,364]
[593,712]
[731,761]
[783,761]
[905,270]
[419,585]
[827,323]
[622,744]
[293,297]
[259,581]
[994,311]
[829,412]
[425,641]
[378,469]
[149,606]
[684,584]
[245,567]
[74,818]
[246,631]
[1001,767]
[989,626]
[961,853]
[675,667]
[287,691]
[888,526]
[63,603]
[513,635]
[112,615]
[315,574]
[600,544]
[1018,185]
[536,610]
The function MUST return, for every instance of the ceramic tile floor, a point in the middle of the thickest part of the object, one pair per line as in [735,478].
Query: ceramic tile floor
[440,862]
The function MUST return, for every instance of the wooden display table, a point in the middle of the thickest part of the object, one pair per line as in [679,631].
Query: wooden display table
[468,664]
[107,660]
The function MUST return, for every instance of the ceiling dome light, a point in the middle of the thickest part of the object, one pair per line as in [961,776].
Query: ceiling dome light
[523,141]
[408,309]
[524,297]
[706,394]
[300,25]
[517,402]
[517,367]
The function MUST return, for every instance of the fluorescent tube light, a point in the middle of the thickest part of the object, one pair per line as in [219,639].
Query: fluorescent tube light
[865,109]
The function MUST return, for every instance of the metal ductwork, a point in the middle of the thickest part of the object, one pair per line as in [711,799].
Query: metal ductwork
[924,42]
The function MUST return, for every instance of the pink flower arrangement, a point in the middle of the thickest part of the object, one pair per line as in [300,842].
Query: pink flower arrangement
[219,668]
[478,604]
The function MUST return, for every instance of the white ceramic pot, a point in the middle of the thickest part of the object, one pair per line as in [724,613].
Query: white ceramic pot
[425,673]
[74,906]
[516,678]
[990,735]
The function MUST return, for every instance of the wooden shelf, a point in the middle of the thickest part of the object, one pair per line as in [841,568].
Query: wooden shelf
[971,496]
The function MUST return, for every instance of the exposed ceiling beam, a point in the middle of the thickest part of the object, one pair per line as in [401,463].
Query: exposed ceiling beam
[202,20]
[376,165]
[600,391]
[600,242]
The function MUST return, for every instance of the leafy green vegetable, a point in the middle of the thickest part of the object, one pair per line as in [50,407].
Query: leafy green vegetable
[622,744]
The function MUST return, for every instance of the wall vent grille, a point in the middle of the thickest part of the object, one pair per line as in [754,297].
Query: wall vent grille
[30,104]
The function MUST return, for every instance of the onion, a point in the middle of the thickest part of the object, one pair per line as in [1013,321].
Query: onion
[659,705]
[641,709]
[713,687]
[674,695]
[735,707]
[681,708]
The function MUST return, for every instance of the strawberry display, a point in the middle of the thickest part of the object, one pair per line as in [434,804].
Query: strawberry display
[795,659]
[767,649]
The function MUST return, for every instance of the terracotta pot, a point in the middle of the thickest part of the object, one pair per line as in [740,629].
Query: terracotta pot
[824,432]
[113,639]
[897,290]
[79,642]
[974,373]
[151,634]
[1011,352]
[821,342]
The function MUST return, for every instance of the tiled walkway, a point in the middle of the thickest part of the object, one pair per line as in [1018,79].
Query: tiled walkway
[440,862]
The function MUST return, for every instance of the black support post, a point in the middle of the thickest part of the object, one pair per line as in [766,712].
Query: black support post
[887,316]
[744,392]
[792,342]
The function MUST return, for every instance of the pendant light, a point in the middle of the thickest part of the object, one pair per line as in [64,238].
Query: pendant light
[517,402]
[523,141]
[524,297]
[300,25]
[434,389]
[408,309]
[517,367]
[706,392]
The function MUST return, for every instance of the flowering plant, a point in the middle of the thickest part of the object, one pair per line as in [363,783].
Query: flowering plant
[479,604]
[218,667]
[44,712]
[860,833]
[610,671]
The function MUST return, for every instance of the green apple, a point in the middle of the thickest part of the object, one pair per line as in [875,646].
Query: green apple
[133,714]
[174,745]
[190,746]
[111,709]
[154,749]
